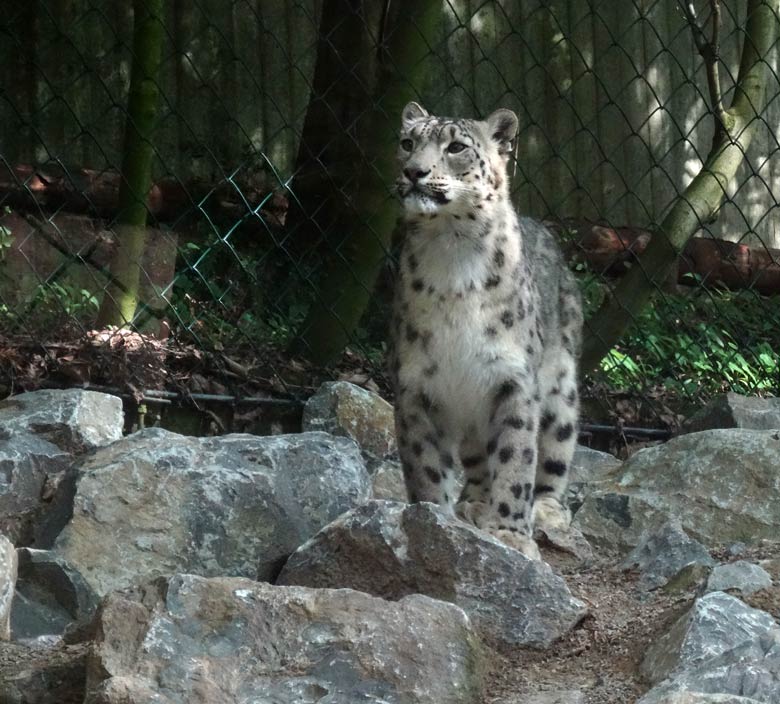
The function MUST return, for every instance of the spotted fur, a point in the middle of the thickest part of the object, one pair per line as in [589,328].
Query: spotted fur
[485,334]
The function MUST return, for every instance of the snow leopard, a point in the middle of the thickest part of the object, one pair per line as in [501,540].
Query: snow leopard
[485,334]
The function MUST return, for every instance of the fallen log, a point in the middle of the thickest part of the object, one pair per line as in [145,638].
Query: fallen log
[53,188]
[611,251]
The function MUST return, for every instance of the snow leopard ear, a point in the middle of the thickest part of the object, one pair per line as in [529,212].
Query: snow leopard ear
[502,128]
[412,112]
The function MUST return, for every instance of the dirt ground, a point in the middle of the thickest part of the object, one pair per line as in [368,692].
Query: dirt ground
[599,658]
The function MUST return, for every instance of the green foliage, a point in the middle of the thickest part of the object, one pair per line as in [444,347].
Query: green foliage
[6,240]
[222,303]
[50,305]
[700,344]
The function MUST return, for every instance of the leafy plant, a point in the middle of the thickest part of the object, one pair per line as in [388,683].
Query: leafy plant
[6,240]
[700,344]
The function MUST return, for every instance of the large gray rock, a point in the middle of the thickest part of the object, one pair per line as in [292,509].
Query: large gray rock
[50,596]
[392,550]
[731,410]
[190,640]
[587,467]
[750,670]
[42,674]
[74,420]
[714,624]
[36,490]
[156,503]
[723,485]
[558,696]
[741,576]
[700,698]
[387,481]
[8,569]
[341,408]
[662,553]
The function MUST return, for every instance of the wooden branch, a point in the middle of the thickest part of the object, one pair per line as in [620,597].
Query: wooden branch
[731,265]
[53,188]
[709,49]
[700,201]
[613,251]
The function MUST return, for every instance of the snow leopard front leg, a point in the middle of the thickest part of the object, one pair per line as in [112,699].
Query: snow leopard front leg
[426,451]
[499,492]
[560,414]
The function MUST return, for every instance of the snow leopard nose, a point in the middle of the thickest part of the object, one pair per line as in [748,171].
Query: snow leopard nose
[415,174]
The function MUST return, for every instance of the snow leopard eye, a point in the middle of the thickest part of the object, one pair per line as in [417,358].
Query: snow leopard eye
[455,147]
[407,144]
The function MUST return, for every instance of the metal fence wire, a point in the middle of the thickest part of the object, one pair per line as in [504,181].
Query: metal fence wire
[269,240]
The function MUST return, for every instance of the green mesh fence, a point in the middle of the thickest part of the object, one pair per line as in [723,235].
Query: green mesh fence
[267,263]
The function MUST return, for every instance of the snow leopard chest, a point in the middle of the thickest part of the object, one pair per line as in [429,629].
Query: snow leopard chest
[457,346]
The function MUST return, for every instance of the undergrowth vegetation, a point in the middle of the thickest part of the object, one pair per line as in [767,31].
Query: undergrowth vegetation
[691,343]
[700,342]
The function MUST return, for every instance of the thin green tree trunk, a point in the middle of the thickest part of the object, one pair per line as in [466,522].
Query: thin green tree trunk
[367,218]
[121,296]
[700,201]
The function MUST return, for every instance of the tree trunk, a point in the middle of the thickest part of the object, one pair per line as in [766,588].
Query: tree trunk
[368,214]
[699,202]
[121,296]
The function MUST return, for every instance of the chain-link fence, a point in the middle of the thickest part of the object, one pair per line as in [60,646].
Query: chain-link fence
[269,243]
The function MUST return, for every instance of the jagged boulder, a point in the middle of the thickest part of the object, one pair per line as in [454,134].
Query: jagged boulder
[38,487]
[392,550]
[190,640]
[701,698]
[662,553]
[8,570]
[751,670]
[722,485]
[50,596]
[387,481]
[716,623]
[74,420]
[587,467]
[157,503]
[568,696]
[42,674]
[731,410]
[343,409]
[741,576]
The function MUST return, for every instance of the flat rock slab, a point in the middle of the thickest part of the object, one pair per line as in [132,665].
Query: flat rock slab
[741,576]
[663,552]
[751,670]
[731,410]
[74,420]
[723,485]
[716,623]
[392,550]
[156,503]
[191,640]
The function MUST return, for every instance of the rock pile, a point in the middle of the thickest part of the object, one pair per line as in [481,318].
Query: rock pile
[289,568]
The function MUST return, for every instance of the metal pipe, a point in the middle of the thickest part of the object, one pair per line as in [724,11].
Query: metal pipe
[166,397]
[660,433]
